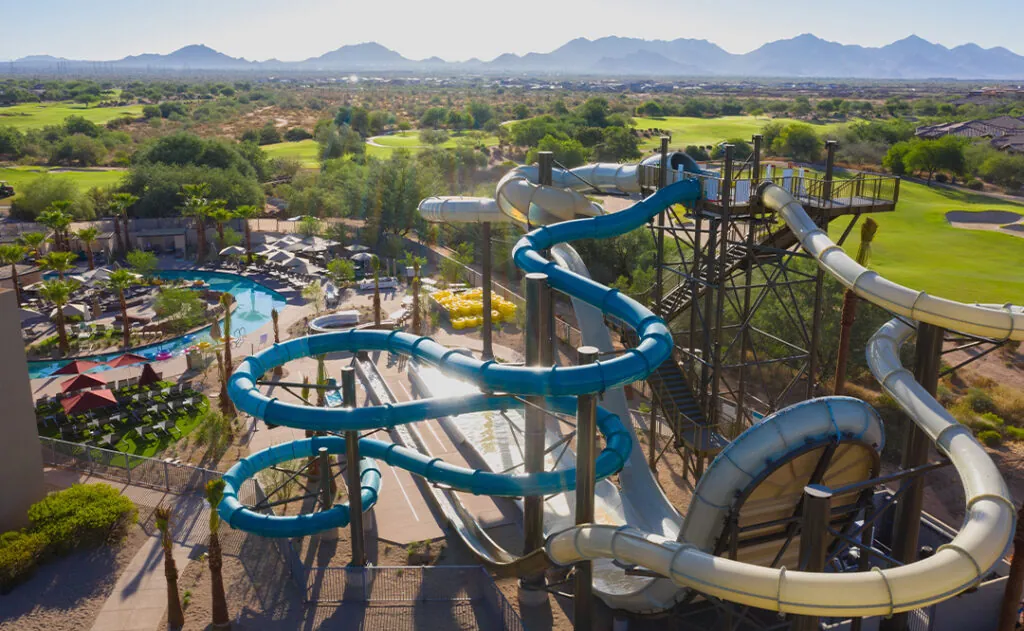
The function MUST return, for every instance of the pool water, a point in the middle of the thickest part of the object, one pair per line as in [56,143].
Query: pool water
[255,303]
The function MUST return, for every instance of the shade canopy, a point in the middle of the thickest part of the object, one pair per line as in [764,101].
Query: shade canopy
[73,310]
[148,376]
[232,250]
[356,248]
[127,359]
[81,382]
[280,256]
[263,248]
[76,367]
[362,257]
[88,400]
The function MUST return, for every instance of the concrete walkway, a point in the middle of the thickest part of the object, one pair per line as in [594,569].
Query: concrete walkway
[140,595]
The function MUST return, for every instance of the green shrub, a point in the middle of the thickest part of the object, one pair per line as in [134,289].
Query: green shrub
[20,552]
[975,185]
[990,437]
[986,421]
[1014,433]
[83,515]
[979,400]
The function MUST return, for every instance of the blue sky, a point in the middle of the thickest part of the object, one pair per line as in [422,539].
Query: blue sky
[459,29]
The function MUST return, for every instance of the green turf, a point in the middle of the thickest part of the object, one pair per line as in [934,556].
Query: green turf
[20,176]
[35,115]
[687,130]
[916,247]
[411,140]
[307,152]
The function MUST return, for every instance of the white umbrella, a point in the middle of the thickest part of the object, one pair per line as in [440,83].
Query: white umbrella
[232,250]
[267,239]
[263,248]
[295,247]
[362,257]
[299,265]
[29,314]
[280,256]
[73,309]
[288,239]
[357,248]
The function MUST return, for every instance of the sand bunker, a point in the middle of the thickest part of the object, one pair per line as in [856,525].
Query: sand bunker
[993,217]
[1004,221]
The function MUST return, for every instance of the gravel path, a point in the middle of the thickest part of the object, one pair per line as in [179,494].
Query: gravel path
[67,594]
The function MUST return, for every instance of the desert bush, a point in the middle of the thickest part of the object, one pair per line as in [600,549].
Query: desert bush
[990,437]
[20,552]
[975,185]
[979,400]
[1014,433]
[83,515]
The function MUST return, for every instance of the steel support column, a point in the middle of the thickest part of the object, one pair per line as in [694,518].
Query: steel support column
[353,479]
[485,238]
[586,448]
[816,513]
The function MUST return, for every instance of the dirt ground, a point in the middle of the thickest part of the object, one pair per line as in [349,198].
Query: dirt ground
[67,594]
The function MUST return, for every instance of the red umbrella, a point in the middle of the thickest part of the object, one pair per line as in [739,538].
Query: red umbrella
[126,360]
[88,400]
[81,382]
[76,367]
[148,376]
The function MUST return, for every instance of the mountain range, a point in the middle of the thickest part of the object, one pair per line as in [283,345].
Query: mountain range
[802,56]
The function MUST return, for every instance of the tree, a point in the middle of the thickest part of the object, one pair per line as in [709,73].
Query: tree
[88,236]
[341,271]
[945,153]
[433,136]
[895,158]
[12,254]
[120,203]
[145,263]
[314,293]
[1003,169]
[118,281]
[411,260]
[568,152]
[617,145]
[197,207]
[57,219]
[376,290]
[175,614]
[226,406]
[39,195]
[741,150]
[245,213]
[58,293]
[33,242]
[214,556]
[309,226]
[60,262]
[220,215]
[799,142]
[274,317]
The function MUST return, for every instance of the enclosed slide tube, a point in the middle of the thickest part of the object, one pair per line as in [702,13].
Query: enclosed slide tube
[520,198]
[955,567]
[655,345]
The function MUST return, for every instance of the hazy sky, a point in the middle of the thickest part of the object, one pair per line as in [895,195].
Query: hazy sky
[460,29]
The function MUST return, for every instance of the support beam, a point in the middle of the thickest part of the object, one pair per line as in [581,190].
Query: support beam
[326,496]
[1015,581]
[816,510]
[830,165]
[539,308]
[714,409]
[355,491]
[907,520]
[659,295]
[586,448]
[815,342]
[485,238]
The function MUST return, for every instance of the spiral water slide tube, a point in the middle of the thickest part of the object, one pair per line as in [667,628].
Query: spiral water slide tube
[558,384]
[955,567]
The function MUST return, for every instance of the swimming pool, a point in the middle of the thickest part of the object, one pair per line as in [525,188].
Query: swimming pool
[255,303]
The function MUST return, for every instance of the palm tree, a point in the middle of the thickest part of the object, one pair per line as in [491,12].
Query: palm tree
[214,494]
[220,215]
[415,262]
[120,203]
[56,218]
[849,314]
[58,293]
[376,290]
[197,207]
[60,262]
[33,241]
[245,213]
[118,281]
[12,254]
[175,615]
[87,236]
[278,370]
[226,406]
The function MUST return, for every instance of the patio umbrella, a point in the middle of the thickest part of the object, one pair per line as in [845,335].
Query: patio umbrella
[88,400]
[263,248]
[232,250]
[148,376]
[81,382]
[355,249]
[73,309]
[295,247]
[279,256]
[362,257]
[28,314]
[76,367]
[127,359]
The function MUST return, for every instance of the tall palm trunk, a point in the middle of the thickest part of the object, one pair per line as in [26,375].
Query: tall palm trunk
[226,406]
[127,334]
[127,244]
[14,281]
[220,235]
[175,614]
[88,253]
[278,370]
[248,242]
[118,245]
[219,599]
[201,243]
[62,333]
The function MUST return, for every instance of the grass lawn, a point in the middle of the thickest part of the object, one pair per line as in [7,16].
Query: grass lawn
[916,247]
[138,446]
[687,130]
[20,176]
[411,140]
[35,115]
[307,152]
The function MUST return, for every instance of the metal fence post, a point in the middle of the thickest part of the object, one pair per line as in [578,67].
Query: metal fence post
[167,475]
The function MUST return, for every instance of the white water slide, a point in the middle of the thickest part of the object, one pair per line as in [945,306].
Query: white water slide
[648,532]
